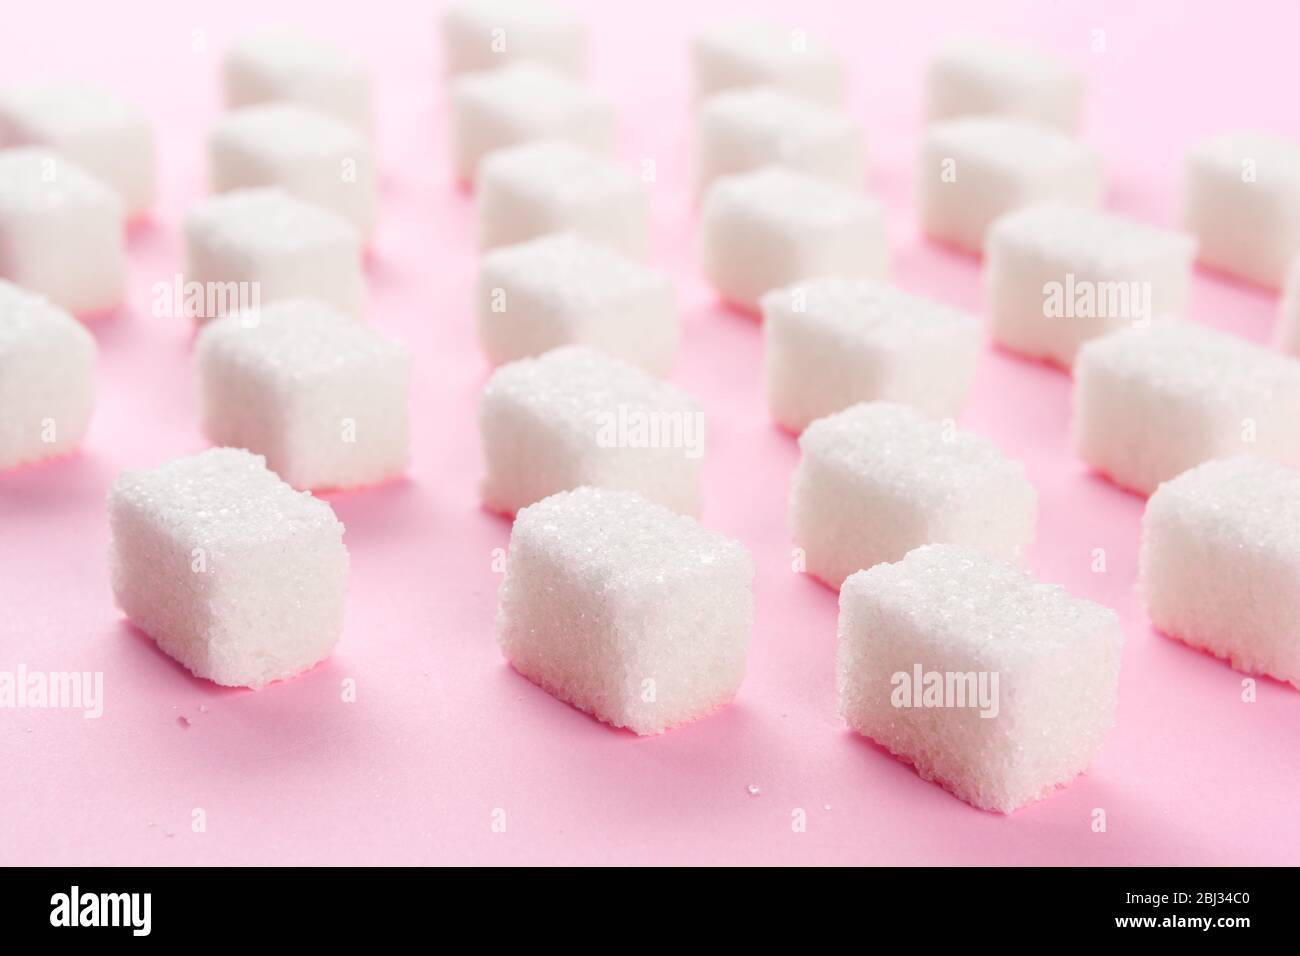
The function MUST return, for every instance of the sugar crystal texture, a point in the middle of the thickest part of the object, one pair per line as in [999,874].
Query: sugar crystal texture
[561,289]
[1220,563]
[61,231]
[626,610]
[878,479]
[975,77]
[995,686]
[1058,275]
[749,53]
[47,378]
[975,169]
[487,34]
[831,343]
[233,573]
[322,396]
[1151,403]
[283,65]
[577,417]
[773,227]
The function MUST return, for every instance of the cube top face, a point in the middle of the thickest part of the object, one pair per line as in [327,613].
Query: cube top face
[279,132]
[978,77]
[224,500]
[528,96]
[35,181]
[555,173]
[757,54]
[1005,147]
[773,198]
[60,114]
[770,120]
[27,318]
[266,222]
[284,65]
[489,34]
[565,272]
[1090,242]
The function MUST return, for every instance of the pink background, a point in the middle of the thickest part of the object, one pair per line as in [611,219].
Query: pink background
[443,732]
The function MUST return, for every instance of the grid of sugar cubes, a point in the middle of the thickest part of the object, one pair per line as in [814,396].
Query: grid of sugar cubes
[309,154]
[977,77]
[322,396]
[831,343]
[561,289]
[61,231]
[1286,335]
[1151,403]
[284,65]
[772,227]
[1220,563]
[524,103]
[47,378]
[1033,672]
[577,417]
[1241,199]
[1058,275]
[975,169]
[625,609]
[102,133]
[551,186]
[740,130]
[233,573]
[266,244]
[489,34]
[748,53]
[879,479]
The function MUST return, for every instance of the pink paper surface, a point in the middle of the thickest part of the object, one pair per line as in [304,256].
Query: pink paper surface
[443,734]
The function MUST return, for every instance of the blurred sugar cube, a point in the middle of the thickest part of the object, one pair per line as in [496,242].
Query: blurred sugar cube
[744,54]
[975,77]
[487,34]
[287,65]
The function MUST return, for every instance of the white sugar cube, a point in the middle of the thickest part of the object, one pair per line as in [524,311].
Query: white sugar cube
[322,396]
[975,169]
[577,417]
[232,572]
[978,77]
[560,289]
[1241,198]
[1287,333]
[773,227]
[760,54]
[61,231]
[1220,563]
[47,378]
[259,245]
[879,479]
[626,610]
[740,130]
[486,34]
[284,65]
[1058,275]
[1151,403]
[995,686]
[307,153]
[527,191]
[524,103]
[102,133]
[831,343]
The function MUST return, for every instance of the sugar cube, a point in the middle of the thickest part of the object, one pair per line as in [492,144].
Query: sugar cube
[1151,403]
[486,34]
[831,343]
[1241,198]
[1220,563]
[268,245]
[879,479]
[773,227]
[977,168]
[322,396]
[577,417]
[61,231]
[993,685]
[285,65]
[560,289]
[232,572]
[740,130]
[1057,275]
[47,378]
[307,153]
[527,191]
[102,133]
[744,54]
[626,610]
[1287,334]
[974,77]
[524,103]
